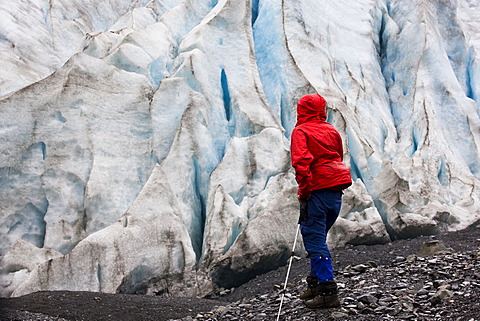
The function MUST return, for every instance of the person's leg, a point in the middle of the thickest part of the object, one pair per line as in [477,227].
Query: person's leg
[312,228]
[323,208]
[334,205]
[314,233]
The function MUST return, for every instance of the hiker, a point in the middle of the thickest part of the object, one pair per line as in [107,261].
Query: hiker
[317,156]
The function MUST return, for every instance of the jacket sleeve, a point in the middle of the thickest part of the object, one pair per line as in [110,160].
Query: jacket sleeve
[340,147]
[301,161]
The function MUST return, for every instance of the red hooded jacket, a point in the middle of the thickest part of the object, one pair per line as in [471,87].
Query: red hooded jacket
[317,150]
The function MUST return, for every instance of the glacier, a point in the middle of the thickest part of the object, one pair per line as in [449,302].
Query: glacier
[145,143]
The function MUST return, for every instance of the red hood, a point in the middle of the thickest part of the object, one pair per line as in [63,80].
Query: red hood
[311,107]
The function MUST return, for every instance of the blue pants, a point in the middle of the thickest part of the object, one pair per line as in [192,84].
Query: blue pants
[323,208]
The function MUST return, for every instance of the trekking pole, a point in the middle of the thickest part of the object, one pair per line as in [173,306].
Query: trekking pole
[288,273]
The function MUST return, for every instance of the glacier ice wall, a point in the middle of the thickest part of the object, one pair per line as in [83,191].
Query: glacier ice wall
[145,144]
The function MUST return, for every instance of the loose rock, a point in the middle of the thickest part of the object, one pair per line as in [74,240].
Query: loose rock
[408,289]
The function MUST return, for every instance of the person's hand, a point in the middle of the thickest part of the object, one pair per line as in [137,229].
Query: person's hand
[303,217]
[302,201]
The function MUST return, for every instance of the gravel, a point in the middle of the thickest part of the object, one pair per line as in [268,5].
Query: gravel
[426,278]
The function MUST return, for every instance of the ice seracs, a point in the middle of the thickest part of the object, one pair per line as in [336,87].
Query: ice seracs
[145,144]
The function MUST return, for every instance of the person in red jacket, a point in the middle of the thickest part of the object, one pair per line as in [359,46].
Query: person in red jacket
[317,156]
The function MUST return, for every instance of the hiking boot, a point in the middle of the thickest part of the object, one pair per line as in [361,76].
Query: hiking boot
[312,288]
[327,297]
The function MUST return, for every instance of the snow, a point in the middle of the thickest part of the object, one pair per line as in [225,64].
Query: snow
[145,144]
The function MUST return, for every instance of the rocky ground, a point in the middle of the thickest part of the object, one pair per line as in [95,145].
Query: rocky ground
[426,278]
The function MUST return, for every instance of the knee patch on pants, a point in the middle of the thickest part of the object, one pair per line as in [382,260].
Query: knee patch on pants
[322,265]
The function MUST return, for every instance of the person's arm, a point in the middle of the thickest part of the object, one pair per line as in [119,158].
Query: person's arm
[340,146]
[301,161]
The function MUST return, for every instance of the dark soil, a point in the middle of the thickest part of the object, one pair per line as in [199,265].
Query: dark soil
[64,305]
[101,306]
